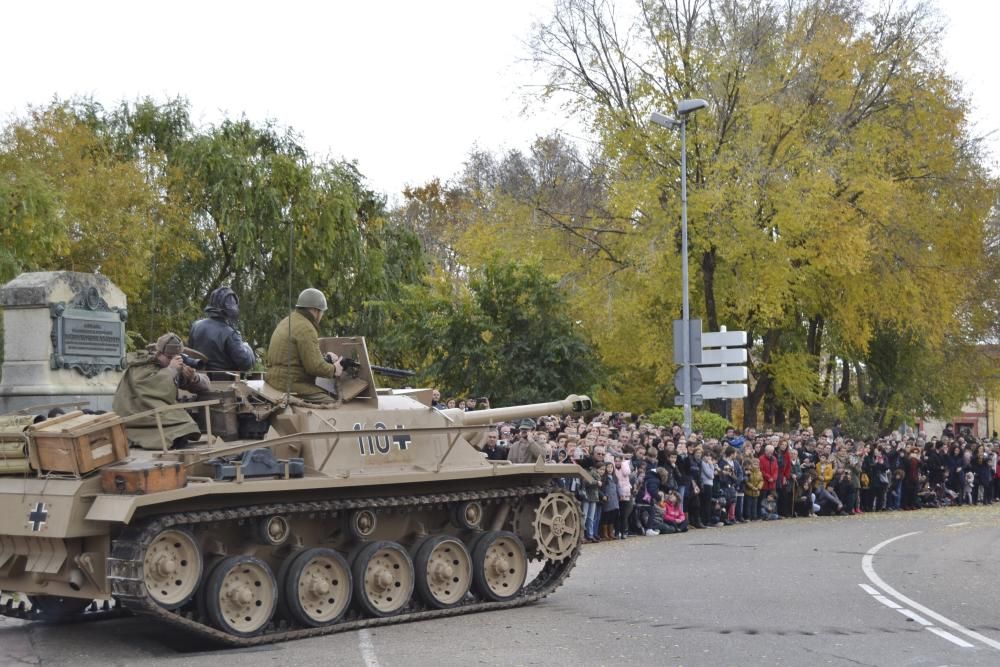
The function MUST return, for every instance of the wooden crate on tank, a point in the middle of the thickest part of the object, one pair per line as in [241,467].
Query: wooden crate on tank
[77,443]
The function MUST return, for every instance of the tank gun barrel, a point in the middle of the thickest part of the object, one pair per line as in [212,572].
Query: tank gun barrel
[573,403]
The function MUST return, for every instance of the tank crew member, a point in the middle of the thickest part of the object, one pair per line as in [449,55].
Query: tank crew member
[151,381]
[216,337]
[294,359]
[526,449]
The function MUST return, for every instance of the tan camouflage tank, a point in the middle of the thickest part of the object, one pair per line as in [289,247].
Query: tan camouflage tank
[287,519]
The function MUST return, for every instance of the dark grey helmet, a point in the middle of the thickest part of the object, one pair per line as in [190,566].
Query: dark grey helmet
[311,298]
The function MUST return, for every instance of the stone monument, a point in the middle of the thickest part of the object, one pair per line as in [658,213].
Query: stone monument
[64,340]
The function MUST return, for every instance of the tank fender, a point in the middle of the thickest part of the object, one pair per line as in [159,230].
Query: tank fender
[114,509]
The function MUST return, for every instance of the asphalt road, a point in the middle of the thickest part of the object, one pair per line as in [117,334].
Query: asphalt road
[822,591]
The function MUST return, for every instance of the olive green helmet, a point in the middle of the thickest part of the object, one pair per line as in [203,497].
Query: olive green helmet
[311,298]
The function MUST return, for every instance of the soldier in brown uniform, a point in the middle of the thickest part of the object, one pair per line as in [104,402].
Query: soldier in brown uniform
[294,359]
[151,381]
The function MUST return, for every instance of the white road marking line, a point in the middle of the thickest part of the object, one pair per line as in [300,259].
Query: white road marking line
[868,589]
[950,637]
[913,615]
[887,602]
[956,525]
[869,570]
[367,648]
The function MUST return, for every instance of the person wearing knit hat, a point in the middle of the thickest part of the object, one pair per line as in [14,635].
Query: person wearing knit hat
[152,380]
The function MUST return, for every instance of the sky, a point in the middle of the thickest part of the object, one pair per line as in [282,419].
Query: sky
[405,88]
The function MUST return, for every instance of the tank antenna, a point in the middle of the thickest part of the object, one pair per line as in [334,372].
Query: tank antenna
[288,366]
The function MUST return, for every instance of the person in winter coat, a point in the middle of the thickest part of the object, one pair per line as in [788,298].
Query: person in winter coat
[769,507]
[824,471]
[752,490]
[783,484]
[609,501]
[673,514]
[984,471]
[591,498]
[216,337]
[769,470]
[739,482]
[625,479]
[911,480]
[725,486]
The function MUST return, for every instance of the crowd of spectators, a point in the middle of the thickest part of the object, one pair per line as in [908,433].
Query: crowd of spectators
[651,480]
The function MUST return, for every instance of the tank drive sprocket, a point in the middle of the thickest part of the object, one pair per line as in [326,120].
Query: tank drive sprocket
[557,526]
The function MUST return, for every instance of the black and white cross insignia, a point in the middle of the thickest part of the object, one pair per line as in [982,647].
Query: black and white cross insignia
[37,517]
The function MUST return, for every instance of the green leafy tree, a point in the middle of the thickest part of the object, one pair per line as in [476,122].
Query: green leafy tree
[708,423]
[170,211]
[506,335]
[835,190]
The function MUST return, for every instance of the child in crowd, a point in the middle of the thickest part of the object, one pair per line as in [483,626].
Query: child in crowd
[769,507]
[754,483]
[968,482]
[610,501]
[673,514]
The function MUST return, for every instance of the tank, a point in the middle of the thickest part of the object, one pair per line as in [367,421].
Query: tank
[313,518]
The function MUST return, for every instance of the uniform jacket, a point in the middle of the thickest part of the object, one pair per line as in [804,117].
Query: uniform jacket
[221,344]
[294,359]
[145,386]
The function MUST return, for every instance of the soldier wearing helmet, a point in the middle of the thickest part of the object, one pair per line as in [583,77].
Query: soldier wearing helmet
[151,381]
[216,337]
[294,359]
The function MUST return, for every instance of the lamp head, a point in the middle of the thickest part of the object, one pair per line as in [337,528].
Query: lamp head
[664,121]
[690,106]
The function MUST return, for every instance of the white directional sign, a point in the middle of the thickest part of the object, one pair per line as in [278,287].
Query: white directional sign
[723,339]
[723,390]
[723,373]
[733,355]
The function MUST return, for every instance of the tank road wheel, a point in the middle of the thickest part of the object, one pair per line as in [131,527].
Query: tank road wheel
[383,578]
[241,595]
[57,608]
[172,568]
[557,525]
[500,565]
[444,571]
[317,588]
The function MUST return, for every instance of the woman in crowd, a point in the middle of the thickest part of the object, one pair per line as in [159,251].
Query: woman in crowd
[609,501]
[625,480]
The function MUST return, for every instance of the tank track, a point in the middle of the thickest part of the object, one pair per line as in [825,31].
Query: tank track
[126,575]
[98,610]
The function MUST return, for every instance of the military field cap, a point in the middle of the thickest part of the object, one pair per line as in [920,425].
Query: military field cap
[169,344]
[527,424]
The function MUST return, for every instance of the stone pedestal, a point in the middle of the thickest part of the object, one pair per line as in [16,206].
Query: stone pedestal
[64,340]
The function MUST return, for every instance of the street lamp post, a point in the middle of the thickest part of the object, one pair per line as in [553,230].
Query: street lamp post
[684,109]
